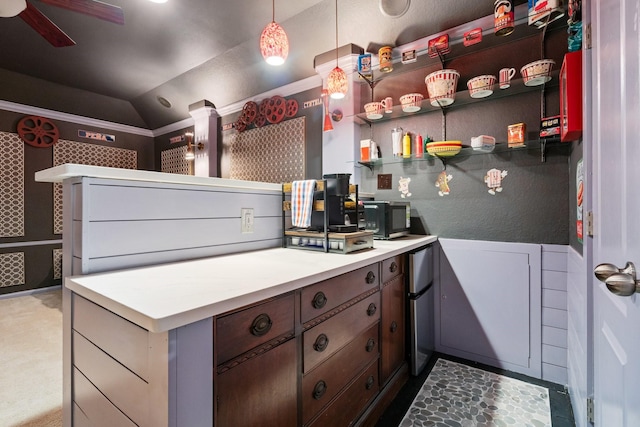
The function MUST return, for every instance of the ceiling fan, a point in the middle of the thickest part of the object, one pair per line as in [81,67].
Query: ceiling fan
[50,31]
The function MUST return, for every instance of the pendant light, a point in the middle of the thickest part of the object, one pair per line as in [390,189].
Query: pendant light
[11,8]
[337,81]
[274,44]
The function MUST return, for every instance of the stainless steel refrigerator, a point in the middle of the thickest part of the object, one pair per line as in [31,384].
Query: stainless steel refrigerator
[421,307]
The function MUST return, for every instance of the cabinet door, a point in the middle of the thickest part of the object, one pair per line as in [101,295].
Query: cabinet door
[392,328]
[261,392]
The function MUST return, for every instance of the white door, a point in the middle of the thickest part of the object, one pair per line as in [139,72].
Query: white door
[616,206]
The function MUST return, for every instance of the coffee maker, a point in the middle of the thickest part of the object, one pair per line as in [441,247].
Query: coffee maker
[339,219]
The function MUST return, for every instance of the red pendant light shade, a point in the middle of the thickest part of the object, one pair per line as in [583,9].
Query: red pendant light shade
[274,44]
[337,84]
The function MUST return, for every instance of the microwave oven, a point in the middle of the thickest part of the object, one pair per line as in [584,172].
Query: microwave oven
[387,220]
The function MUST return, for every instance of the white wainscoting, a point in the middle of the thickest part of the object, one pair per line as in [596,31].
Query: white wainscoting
[554,313]
[578,334]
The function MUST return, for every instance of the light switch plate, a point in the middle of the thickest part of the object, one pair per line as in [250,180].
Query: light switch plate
[246,217]
[384,181]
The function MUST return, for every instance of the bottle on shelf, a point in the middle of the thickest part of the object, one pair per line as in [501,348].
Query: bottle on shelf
[419,146]
[396,137]
[406,146]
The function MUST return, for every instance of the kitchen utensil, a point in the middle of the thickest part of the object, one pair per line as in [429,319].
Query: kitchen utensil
[481,86]
[537,72]
[411,102]
[441,86]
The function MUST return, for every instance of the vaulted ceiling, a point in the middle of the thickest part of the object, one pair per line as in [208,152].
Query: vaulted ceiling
[189,50]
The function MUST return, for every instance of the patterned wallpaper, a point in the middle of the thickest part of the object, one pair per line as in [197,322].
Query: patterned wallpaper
[273,153]
[86,154]
[173,161]
[11,269]
[11,185]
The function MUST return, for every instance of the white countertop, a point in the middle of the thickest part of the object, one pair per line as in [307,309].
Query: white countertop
[164,297]
[69,170]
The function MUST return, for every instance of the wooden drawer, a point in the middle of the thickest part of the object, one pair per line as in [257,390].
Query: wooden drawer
[325,296]
[240,332]
[392,267]
[322,384]
[325,339]
[351,402]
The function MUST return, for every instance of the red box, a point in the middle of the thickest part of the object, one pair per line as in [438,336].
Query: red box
[571,97]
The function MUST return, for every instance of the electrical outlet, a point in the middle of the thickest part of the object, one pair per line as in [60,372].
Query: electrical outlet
[384,181]
[246,217]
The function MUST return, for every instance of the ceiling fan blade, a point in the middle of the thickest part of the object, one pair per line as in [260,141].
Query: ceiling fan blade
[94,8]
[45,27]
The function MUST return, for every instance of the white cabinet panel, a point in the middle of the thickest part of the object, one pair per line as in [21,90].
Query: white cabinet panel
[489,305]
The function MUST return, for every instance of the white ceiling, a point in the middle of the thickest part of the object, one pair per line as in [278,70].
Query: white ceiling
[189,50]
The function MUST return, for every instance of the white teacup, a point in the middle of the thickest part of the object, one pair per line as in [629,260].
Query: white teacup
[411,102]
[374,110]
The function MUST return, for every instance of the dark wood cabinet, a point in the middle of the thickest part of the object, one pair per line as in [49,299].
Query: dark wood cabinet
[317,357]
[260,392]
[392,324]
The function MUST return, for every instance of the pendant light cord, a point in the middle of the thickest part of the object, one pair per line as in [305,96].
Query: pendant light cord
[336,33]
[273,10]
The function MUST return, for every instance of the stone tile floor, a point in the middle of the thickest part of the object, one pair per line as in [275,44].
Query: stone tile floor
[459,399]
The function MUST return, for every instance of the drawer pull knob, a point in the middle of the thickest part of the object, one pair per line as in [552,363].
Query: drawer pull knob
[319,390]
[371,310]
[261,325]
[319,300]
[393,267]
[370,345]
[394,326]
[370,382]
[370,277]
[321,344]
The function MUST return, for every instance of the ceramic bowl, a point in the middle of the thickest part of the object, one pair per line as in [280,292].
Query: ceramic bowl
[481,86]
[441,87]
[411,102]
[374,110]
[537,73]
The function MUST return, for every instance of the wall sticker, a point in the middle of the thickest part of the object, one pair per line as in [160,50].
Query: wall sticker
[493,179]
[403,187]
[442,183]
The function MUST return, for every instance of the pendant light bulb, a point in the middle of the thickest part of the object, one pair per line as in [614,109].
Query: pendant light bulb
[274,43]
[337,83]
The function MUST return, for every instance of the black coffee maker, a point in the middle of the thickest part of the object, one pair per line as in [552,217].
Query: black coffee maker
[339,218]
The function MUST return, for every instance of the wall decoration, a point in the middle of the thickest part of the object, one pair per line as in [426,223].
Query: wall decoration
[493,179]
[38,131]
[86,154]
[96,135]
[270,154]
[442,183]
[12,269]
[271,110]
[403,187]
[579,198]
[173,161]
[11,185]
[57,264]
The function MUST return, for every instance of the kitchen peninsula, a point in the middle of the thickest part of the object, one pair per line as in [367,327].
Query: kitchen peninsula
[220,340]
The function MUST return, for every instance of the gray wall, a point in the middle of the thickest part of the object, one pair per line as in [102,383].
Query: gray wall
[534,204]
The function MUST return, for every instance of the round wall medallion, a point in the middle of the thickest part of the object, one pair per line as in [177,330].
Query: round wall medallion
[38,131]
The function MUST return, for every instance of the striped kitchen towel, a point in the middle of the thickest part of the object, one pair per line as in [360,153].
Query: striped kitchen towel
[302,202]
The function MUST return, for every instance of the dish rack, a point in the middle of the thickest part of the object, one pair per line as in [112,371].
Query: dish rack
[325,240]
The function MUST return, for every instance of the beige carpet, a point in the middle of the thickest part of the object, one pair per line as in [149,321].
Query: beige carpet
[31,360]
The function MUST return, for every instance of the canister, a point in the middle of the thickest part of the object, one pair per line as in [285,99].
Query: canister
[364,66]
[384,58]
[516,134]
[503,17]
